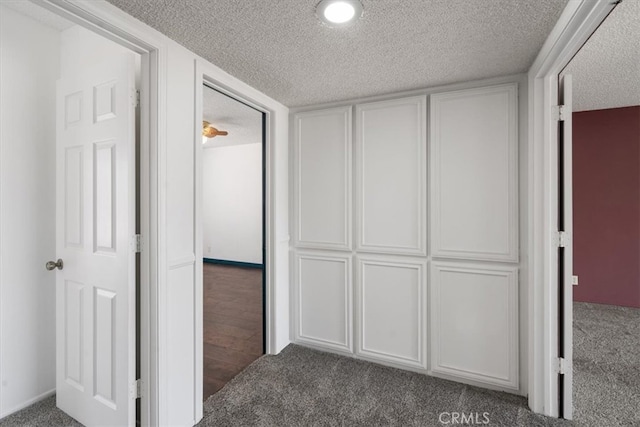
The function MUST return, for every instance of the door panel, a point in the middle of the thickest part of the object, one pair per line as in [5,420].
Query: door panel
[323,178]
[74,337]
[323,295]
[95,208]
[73,200]
[104,196]
[391,176]
[474,322]
[391,300]
[474,174]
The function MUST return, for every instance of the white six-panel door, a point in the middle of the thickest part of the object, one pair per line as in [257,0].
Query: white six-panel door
[95,208]
[443,302]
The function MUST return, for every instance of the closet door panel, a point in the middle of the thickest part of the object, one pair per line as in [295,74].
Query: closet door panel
[474,322]
[391,176]
[323,178]
[323,315]
[391,300]
[474,178]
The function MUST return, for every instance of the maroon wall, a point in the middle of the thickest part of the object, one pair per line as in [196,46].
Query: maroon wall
[606,206]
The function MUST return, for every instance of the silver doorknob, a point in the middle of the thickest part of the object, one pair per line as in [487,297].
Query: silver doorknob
[51,265]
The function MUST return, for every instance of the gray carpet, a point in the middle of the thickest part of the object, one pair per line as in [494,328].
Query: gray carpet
[40,414]
[303,387]
[606,363]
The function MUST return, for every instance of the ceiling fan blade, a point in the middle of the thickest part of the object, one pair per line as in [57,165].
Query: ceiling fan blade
[211,132]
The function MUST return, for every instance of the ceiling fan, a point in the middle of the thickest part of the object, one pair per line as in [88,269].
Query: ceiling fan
[209,131]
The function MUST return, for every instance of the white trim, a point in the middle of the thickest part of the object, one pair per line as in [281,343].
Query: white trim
[198,302]
[578,21]
[414,92]
[182,262]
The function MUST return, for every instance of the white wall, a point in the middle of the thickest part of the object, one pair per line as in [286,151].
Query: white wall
[29,66]
[232,203]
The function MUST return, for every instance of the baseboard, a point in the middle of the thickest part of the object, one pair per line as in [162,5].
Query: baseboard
[28,403]
[232,263]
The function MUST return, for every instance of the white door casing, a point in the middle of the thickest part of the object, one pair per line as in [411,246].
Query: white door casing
[566,201]
[95,228]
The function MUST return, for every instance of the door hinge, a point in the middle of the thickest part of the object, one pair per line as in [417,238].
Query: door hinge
[136,389]
[562,239]
[136,243]
[558,112]
[561,365]
[135,98]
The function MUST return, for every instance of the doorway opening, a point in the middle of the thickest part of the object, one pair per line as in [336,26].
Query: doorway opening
[233,237]
[602,216]
[72,148]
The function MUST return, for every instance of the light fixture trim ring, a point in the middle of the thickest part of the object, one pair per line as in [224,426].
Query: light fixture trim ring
[322,7]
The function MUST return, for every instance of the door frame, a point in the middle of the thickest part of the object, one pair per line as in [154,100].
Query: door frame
[205,76]
[125,31]
[203,79]
[576,24]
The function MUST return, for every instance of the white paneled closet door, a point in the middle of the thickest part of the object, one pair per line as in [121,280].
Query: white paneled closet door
[391,176]
[324,300]
[446,302]
[474,179]
[391,310]
[391,230]
[475,322]
[323,179]
[474,236]
[323,314]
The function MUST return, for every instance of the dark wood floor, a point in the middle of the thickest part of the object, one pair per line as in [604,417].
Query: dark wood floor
[232,322]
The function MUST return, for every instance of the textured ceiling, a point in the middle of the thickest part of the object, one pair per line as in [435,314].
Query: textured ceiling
[606,71]
[282,49]
[243,123]
[38,13]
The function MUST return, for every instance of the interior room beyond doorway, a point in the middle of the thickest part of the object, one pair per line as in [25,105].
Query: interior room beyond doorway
[232,237]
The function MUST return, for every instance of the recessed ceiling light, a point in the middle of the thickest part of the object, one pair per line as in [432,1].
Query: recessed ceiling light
[339,13]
